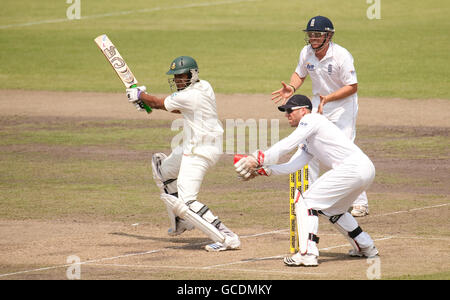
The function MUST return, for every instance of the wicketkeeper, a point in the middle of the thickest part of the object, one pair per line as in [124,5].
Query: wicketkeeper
[180,175]
[331,195]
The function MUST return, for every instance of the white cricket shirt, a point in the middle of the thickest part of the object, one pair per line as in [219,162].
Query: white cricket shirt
[321,139]
[202,131]
[331,73]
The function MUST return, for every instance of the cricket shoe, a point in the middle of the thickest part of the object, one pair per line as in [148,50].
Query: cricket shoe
[296,260]
[368,252]
[360,211]
[231,243]
[165,186]
[181,226]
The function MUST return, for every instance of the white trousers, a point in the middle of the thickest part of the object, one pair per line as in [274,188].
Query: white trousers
[333,193]
[337,189]
[348,127]
[189,171]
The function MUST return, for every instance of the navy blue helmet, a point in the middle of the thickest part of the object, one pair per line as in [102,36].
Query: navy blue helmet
[319,23]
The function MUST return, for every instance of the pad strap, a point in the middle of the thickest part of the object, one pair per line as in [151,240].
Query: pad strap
[169,181]
[332,219]
[166,190]
[355,232]
[335,218]
[313,212]
[313,237]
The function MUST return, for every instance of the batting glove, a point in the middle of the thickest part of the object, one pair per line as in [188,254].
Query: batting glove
[133,95]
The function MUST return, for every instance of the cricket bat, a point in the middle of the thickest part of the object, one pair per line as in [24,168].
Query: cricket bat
[119,65]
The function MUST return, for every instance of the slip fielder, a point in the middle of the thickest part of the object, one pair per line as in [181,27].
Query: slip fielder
[330,196]
[334,87]
[180,175]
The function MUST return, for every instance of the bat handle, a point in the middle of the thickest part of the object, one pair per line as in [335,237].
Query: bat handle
[146,107]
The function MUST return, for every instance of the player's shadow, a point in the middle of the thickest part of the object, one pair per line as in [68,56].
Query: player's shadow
[189,243]
[335,256]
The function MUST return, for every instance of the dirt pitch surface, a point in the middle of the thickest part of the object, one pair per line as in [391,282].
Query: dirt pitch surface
[412,241]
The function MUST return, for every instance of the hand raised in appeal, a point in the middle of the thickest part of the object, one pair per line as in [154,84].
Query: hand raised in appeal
[284,93]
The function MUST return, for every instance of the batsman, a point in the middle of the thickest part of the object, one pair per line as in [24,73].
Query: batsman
[179,176]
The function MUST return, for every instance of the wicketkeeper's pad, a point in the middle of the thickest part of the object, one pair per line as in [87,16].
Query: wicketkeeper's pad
[307,226]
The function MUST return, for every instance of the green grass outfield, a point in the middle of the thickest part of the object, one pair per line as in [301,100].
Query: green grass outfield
[242,46]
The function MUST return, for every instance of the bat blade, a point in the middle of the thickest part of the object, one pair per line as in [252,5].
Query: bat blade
[116,60]
[118,63]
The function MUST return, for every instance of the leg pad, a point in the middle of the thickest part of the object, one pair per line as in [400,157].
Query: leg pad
[197,214]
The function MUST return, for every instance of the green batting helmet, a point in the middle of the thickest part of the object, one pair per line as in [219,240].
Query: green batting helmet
[182,65]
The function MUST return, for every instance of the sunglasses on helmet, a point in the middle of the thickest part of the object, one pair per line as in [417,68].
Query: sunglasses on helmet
[291,109]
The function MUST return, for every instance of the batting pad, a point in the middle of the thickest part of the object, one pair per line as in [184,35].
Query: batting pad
[196,214]
[172,217]
[307,226]
[348,226]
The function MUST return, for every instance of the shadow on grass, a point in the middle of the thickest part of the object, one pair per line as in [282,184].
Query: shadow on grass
[190,243]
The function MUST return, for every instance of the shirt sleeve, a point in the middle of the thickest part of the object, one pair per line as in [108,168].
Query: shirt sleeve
[179,101]
[301,133]
[348,72]
[301,67]
[297,161]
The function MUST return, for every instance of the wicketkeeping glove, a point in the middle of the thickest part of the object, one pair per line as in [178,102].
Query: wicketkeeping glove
[250,166]
[245,166]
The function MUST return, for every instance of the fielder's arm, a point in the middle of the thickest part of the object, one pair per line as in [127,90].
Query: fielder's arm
[341,93]
[296,81]
[296,162]
[287,90]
